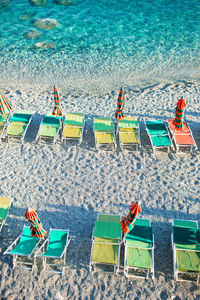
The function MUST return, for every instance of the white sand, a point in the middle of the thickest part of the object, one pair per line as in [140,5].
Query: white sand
[69,185]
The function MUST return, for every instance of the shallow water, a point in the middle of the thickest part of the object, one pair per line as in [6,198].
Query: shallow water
[101,45]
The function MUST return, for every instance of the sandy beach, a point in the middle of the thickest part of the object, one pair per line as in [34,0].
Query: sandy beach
[68,186]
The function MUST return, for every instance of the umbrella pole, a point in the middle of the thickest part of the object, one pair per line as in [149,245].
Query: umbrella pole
[117,128]
[123,240]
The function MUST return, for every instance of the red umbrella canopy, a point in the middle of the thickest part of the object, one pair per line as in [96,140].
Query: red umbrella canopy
[5,105]
[36,228]
[119,114]
[127,223]
[180,107]
[57,108]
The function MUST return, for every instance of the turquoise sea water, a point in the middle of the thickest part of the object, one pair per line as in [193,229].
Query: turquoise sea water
[101,43]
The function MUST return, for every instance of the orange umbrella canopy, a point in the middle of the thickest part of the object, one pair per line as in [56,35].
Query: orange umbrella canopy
[36,228]
[180,108]
[127,223]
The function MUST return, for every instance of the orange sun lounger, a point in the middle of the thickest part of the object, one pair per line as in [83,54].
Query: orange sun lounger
[182,138]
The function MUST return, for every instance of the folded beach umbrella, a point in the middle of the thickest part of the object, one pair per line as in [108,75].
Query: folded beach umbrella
[5,105]
[180,107]
[127,223]
[57,108]
[119,114]
[36,228]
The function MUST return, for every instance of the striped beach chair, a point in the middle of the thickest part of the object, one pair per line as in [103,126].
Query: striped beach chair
[73,127]
[23,249]
[18,125]
[54,249]
[106,239]
[139,251]
[182,139]
[158,135]
[129,133]
[186,250]
[49,129]
[104,133]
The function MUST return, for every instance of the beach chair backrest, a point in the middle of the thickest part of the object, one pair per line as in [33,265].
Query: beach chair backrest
[26,244]
[57,242]
[107,230]
[103,124]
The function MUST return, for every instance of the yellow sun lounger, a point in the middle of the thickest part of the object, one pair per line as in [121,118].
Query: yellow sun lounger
[106,238]
[129,134]
[73,127]
[104,133]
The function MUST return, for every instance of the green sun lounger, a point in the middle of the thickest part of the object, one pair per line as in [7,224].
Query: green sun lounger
[104,135]
[129,133]
[139,251]
[54,247]
[4,120]
[18,125]
[49,129]
[186,250]
[23,249]
[73,127]
[105,250]
[5,204]
[158,135]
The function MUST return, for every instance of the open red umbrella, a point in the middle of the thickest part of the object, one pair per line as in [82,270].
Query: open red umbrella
[127,223]
[180,107]
[36,228]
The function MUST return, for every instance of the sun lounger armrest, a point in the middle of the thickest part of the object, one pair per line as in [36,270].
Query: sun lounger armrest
[40,248]
[10,247]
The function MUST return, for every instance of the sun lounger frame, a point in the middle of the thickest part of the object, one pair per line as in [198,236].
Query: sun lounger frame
[154,148]
[71,138]
[175,268]
[105,146]
[177,146]
[5,127]
[62,257]
[4,220]
[17,138]
[149,272]
[45,139]
[31,263]
[115,266]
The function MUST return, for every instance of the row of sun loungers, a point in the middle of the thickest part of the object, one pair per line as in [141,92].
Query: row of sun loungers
[107,247]
[71,128]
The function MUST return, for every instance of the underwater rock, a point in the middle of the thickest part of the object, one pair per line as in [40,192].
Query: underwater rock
[26,17]
[44,44]
[63,2]
[4,3]
[46,23]
[33,34]
[39,2]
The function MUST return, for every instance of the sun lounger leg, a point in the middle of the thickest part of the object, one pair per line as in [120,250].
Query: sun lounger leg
[14,261]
